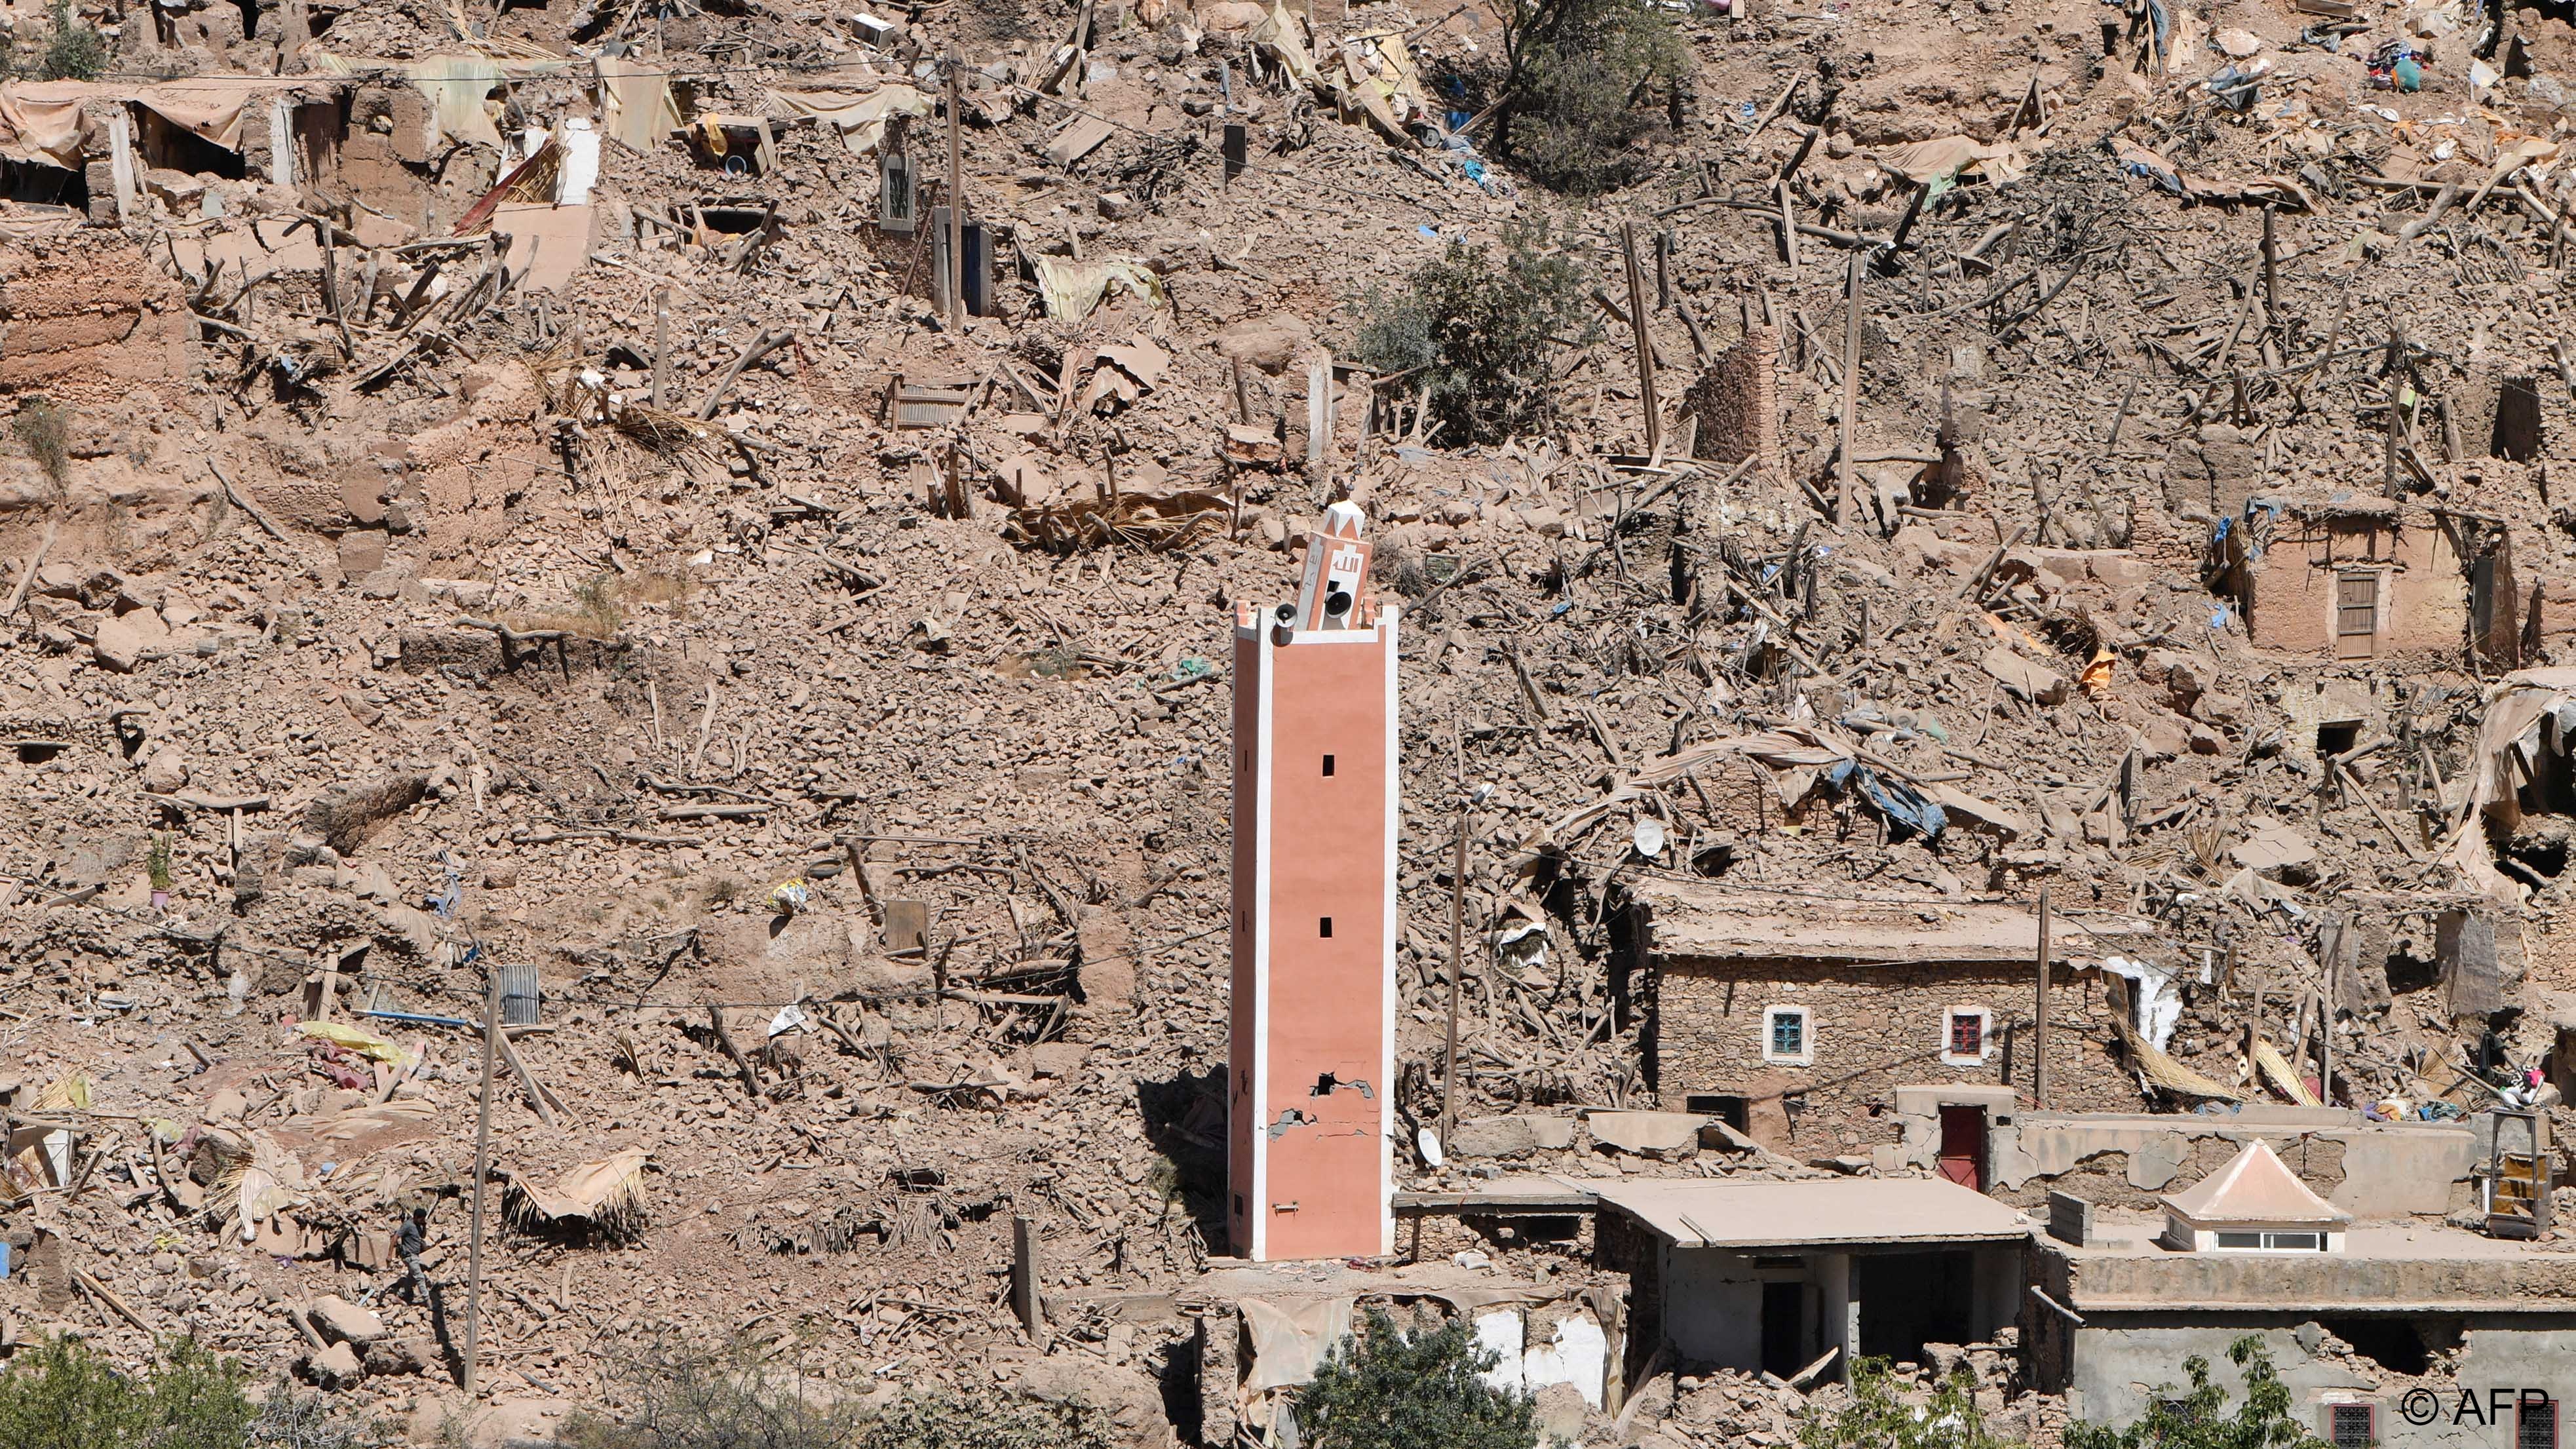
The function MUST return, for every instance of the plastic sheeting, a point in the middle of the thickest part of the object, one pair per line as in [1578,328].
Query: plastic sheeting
[43,121]
[1900,802]
[1074,289]
[861,120]
[357,1039]
[210,107]
[635,103]
[1284,40]
[1370,75]
[1290,1342]
[1940,161]
[2518,708]
[456,85]
[41,124]
[272,1181]
[1374,73]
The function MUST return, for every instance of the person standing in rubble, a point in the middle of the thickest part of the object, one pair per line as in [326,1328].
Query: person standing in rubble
[411,1242]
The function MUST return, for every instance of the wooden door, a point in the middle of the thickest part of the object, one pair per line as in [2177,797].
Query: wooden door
[2356,615]
[1963,1145]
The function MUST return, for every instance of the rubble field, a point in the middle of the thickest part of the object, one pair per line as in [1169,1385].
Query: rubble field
[501,513]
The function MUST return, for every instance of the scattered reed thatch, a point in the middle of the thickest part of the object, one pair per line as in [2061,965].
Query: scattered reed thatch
[602,1199]
[1149,521]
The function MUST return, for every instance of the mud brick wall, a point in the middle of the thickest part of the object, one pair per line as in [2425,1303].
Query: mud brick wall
[1873,1029]
[1737,402]
[2423,588]
[89,320]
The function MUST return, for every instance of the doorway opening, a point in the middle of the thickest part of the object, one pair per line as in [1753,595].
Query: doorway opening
[1910,1299]
[1784,1325]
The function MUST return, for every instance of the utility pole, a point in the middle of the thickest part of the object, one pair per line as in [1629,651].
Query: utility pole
[661,344]
[482,1169]
[1849,476]
[1457,969]
[956,200]
[2396,418]
[2039,1049]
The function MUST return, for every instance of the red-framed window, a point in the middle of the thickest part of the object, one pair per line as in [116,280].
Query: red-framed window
[2535,1424]
[1967,1033]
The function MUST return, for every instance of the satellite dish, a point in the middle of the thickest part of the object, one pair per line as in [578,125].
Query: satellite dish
[1648,836]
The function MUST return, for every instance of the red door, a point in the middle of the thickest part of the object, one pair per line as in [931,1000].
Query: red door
[1963,1145]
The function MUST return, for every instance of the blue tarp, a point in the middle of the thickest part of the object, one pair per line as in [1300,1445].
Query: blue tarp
[1902,804]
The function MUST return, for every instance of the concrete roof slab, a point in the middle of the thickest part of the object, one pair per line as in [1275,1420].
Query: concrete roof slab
[1838,1211]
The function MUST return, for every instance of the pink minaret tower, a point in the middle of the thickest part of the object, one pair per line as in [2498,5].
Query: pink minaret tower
[1311,1076]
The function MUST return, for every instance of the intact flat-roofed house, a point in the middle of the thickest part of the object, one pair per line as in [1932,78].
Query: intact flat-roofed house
[1774,1275]
[2388,1325]
[1823,1027]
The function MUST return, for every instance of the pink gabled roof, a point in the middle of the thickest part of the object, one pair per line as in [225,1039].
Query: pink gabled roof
[2255,1186]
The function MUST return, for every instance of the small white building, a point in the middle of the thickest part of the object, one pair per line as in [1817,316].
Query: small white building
[2254,1204]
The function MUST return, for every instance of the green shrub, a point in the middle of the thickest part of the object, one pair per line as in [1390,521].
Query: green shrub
[1879,1417]
[74,50]
[1576,75]
[2199,1419]
[59,1395]
[1479,325]
[1391,1388]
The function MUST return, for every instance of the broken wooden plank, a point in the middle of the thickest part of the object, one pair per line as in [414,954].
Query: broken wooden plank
[1084,136]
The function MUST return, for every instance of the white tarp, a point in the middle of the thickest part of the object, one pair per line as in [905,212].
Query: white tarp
[40,123]
[1290,1343]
